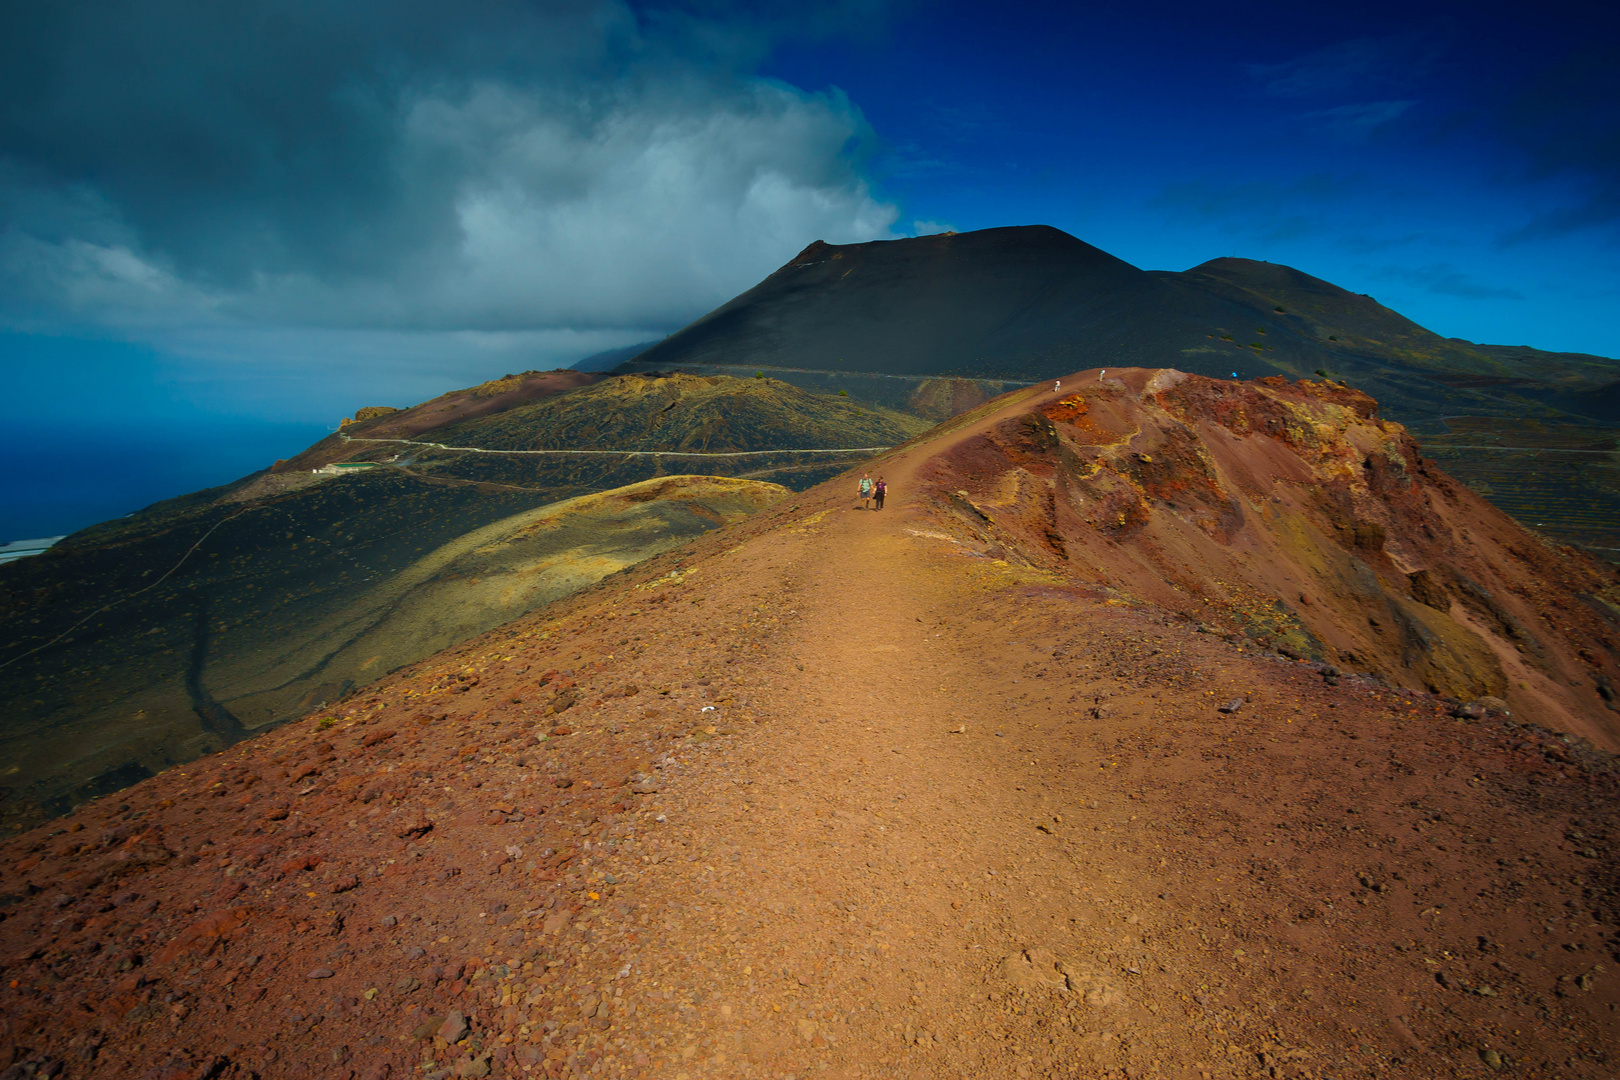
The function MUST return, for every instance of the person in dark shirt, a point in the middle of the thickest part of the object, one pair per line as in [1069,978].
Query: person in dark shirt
[879,490]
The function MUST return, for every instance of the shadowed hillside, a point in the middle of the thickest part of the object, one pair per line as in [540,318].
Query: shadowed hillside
[686,413]
[184,637]
[234,608]
[758,429]
[1020,303]
[1032,302]
[1414,371]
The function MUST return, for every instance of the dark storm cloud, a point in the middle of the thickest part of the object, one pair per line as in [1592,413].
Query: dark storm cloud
[490,166]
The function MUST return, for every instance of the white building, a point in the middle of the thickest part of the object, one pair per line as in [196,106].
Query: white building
[337,468]
[21,549]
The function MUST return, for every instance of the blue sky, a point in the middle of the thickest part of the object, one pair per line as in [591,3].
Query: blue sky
[222,228]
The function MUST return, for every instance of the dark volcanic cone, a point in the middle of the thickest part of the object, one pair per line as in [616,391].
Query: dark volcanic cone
[1023,302]
[1032,302]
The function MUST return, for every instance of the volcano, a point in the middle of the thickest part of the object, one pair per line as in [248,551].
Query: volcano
[1032,302]
[937,325]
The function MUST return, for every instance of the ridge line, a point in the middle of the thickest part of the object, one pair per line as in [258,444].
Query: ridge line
[630,453]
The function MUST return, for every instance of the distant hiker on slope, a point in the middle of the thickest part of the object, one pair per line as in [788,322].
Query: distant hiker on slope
[866,492]
[879,490]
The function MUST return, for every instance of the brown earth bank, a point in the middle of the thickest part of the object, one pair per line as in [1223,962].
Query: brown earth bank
[962,787]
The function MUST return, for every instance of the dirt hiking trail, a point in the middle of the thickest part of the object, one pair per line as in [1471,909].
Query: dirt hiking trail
[834,793]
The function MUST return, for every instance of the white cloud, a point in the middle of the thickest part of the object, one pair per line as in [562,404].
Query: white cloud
[659,211]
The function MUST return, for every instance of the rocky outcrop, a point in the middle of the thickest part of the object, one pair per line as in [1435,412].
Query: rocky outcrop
[1290,515]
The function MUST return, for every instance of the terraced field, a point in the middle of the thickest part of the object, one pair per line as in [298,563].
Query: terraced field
[1562,480]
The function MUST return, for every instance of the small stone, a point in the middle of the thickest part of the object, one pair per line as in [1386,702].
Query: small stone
[1492,1059]
[564,782]
[320,973]
[415,952]
[415,826]
[1232,706]
[390,920]
[344,884]
[454,1028]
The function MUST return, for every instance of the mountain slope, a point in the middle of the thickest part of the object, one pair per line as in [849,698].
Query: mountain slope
[1020,302]
[687,413]
[1414,369]
[1290,514]
[1031,303]
[758,429]
[939,324]
[122,659]
[144,642]
[908,792]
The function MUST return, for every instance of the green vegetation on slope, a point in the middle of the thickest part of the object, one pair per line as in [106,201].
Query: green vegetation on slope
[114,667]
[692,413]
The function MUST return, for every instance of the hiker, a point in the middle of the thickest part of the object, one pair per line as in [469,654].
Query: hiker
[866,491]
[879,490]
[1057,384]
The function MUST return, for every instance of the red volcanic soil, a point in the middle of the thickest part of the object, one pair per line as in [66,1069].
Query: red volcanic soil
[452,408]
[850,793]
